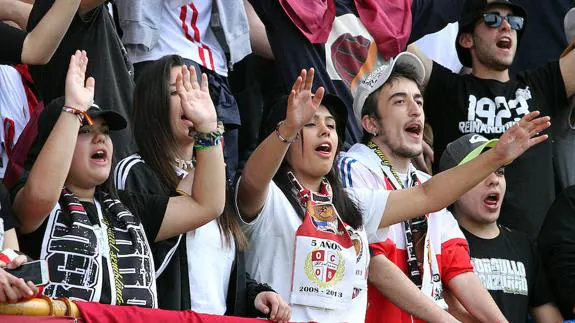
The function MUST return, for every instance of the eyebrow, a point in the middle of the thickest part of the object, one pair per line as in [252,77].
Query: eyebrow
[404,94]
[329,117]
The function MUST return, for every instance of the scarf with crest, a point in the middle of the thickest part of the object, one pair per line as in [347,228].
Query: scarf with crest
[80,248]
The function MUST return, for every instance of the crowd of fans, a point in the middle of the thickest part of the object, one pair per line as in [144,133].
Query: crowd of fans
[326,161]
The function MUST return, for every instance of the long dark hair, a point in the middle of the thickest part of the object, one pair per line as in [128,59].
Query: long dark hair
[157,143]
[347,209]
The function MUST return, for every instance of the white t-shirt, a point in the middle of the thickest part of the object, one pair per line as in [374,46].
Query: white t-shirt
[14,110]
[185,31]
[210,260]
[269,258]
[440,47]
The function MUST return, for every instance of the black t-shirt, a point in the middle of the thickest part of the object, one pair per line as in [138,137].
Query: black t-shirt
[108,64]
[11,44]
[510,268]
[557,245]
[149,209]
[173,283]
[459,104]
[347,53]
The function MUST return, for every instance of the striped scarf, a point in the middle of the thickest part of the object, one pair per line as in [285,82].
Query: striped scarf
[76,244]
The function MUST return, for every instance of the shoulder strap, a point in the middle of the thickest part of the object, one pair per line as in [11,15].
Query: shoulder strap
[216,25]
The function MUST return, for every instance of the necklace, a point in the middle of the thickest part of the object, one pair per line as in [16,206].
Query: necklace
[185,164]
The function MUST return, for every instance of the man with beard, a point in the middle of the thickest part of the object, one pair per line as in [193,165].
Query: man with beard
[430,250]
[488,102]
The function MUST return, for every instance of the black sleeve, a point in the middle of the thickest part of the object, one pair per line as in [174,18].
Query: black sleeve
[6,213]
[150,209]
[11,44]
[139,179]
[547,80]
[429,16]
[441,81]
[557,246]
[540,293]
[253,288]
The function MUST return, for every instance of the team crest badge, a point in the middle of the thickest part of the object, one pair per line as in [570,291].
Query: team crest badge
[325,267]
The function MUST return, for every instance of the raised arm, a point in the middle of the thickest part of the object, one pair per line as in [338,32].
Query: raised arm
[41,192]
[206,198]
[41,43]
[427,62]
[258,34]
[445,188]
[268,156]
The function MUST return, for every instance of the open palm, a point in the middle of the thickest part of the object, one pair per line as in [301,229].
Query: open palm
[196,101]
[302,103]
[79,91]
[522,136]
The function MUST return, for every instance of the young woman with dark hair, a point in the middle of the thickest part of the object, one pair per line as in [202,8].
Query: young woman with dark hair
[98,245]
[308,236]
[204,269]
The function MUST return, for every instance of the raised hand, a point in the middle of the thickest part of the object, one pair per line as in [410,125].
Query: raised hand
[79,91]
[302,103]
[196,101]
[522,136]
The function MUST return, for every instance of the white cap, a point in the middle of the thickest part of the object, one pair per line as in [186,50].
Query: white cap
[379,76]
[569,25]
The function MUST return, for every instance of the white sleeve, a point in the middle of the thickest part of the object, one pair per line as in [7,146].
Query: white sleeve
[267,211]
[354,174]
[372,205]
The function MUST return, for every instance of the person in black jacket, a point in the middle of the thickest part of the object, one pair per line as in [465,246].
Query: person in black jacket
[557,245]
[204,269]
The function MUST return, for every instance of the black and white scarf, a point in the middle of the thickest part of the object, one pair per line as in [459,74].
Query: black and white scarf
[75,245]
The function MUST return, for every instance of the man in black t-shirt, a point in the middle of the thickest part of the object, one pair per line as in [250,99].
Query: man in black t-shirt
[488,102]
[505,260]
[92,30]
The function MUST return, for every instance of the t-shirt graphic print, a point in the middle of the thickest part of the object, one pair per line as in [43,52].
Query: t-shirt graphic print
[456,105]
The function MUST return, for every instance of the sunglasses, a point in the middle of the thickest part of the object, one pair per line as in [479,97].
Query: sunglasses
[494,20]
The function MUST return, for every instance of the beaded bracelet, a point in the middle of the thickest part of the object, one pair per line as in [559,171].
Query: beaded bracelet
[82,115]
[206,140]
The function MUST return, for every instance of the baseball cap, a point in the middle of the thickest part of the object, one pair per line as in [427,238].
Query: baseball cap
[277,112]
[380,75]
[52,111]
[472,11]
[464,149]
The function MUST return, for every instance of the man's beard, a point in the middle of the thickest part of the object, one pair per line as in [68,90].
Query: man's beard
[488,60]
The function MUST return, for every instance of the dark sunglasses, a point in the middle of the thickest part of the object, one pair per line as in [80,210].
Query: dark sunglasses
[494,20]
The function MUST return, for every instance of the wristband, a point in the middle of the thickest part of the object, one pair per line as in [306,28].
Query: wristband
[209,139]
[282,138]
[82,115]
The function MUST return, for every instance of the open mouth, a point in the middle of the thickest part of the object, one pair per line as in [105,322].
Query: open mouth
[492,199]
[414,129]
[324,149]
[99,155]
[504,43]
